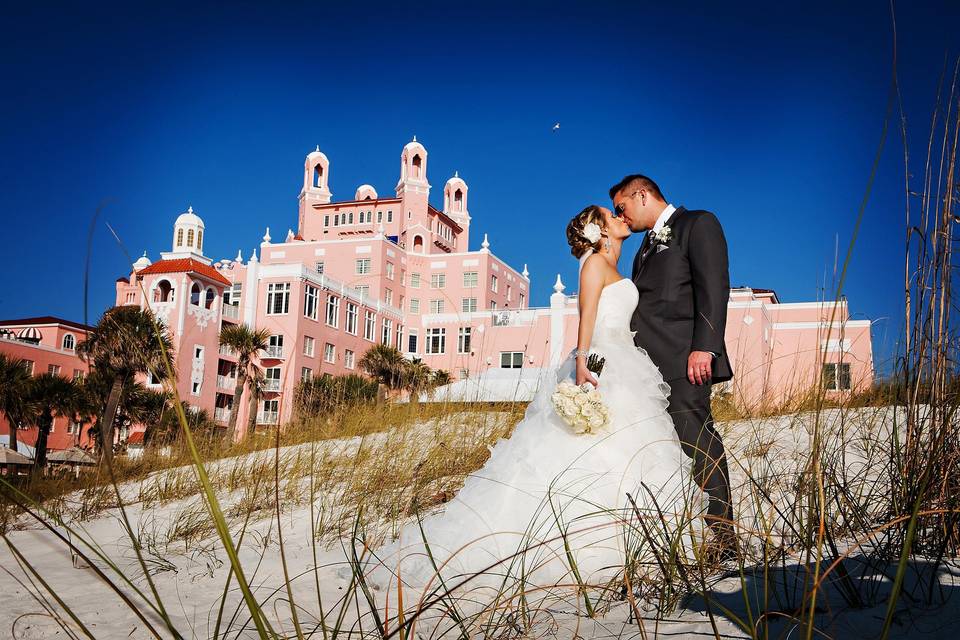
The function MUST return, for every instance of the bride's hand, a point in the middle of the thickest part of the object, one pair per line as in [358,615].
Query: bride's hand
[584,374]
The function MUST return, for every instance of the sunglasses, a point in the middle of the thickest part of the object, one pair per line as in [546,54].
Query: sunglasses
[618,210]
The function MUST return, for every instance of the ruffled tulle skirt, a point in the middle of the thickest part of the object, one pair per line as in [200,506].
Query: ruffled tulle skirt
[551,509]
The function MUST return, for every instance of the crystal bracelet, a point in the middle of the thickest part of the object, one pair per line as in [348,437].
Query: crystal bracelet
[581,352]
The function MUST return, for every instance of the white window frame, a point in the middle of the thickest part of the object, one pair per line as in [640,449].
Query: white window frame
[278,292]
[468,305]
[436,305]
[514,359]
[414,280]
[471,279]
[436,340]
[350,324]
[414,305]
[386,331]
[362,266]
[413,336]
[311,298]
[369,326]
[494,283]
[349,359]
[330,353]
[309,346]
[463,339]
[438,280]
[332,316]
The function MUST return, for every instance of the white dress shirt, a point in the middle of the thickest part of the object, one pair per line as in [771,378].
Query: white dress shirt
[664,216]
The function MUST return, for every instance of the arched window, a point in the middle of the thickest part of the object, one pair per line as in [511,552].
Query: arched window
[458,200]
[195,295]
[190,238]
[210,296]
[418,243]
[179,237]
[318,176]
[200,240]
[69,342]
[417,166]
[163,292]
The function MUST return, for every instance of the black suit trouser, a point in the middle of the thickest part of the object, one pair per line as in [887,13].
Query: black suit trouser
[690,409]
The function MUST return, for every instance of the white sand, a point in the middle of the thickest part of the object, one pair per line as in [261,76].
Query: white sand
[190,578]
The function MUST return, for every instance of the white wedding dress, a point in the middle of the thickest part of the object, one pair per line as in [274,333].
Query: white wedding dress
[544,481]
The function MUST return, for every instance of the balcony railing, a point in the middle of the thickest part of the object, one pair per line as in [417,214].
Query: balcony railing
[268,417]
[271,384]
[231,311]
[274,351]
[227,351]
[221,414]
[226,382]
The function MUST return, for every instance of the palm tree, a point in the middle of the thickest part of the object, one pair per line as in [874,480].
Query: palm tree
[52,396]
[385,364]
[440,378]
[247,343]
[165,430]
[14,380]
[128,341]
[258,383]
[417,377]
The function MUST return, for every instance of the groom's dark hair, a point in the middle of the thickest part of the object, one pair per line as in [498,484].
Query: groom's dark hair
[642,182]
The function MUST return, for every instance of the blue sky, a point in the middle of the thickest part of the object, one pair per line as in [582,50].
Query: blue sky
[769,116]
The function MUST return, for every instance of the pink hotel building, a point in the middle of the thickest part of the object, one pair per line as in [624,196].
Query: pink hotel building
[398,270]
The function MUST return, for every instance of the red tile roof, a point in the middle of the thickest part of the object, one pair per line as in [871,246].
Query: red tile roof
[135,438]
[184,265]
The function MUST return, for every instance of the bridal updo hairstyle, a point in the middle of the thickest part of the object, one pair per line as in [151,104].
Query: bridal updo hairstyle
[579,244]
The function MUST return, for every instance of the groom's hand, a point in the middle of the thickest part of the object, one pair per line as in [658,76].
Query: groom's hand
[699,367]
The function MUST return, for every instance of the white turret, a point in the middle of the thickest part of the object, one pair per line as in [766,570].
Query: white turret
[187,236]
[142,262]
[455,205]
[316,178]
[413,169]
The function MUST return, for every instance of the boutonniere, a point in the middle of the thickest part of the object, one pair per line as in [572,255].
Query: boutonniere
[663,236]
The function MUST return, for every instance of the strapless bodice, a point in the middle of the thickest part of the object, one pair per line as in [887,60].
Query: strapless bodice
[614,311]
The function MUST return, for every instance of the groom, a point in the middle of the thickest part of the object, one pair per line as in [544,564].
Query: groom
[681,273]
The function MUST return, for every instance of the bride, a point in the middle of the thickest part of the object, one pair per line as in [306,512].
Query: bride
[552,510]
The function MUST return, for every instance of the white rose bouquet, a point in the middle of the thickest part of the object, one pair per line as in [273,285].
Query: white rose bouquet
[580,407]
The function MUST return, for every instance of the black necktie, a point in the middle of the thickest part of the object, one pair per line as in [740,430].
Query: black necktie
[646,248]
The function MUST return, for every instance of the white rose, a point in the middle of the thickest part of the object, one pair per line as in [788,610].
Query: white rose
[591,231]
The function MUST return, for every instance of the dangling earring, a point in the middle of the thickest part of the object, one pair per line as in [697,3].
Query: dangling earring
[606,244]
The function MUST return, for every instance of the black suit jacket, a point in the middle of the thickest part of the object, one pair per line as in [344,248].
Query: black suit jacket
[684,291]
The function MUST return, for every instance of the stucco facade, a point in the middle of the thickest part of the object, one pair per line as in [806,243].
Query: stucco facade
[47,345]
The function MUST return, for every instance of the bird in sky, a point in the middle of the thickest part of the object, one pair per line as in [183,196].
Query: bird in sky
[556,126]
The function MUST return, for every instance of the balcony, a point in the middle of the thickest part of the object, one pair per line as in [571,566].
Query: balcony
[271,384]
[268,417]
[226,382]
[231,311]
[227,351]
[221,414]
[274,351]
